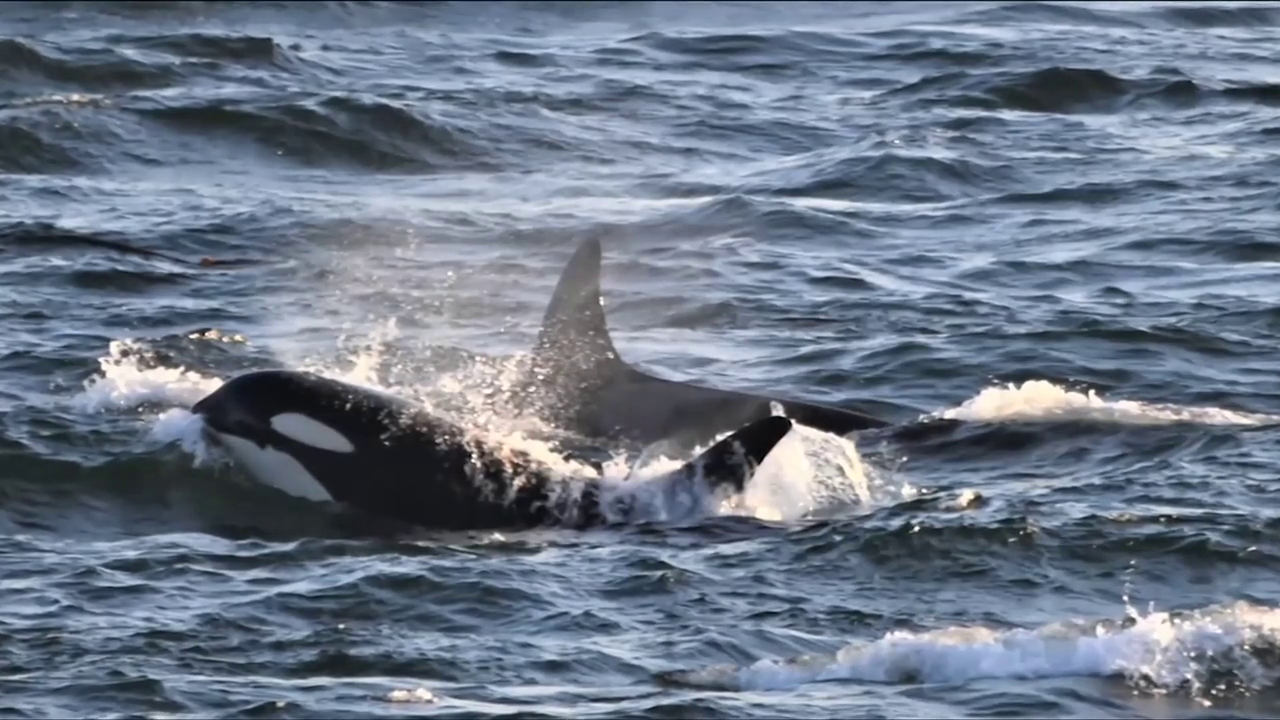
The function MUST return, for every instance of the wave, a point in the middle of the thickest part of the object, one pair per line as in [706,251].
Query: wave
[1066,90]
[244,50]
[1159,16]
[26,151]
[790,53]
[1048,13]
[1086,525]
[344,130]
[1209,16]
[1041,400]
[85,68]
[218,244]
[1205,653]
[124,62]
[888,175]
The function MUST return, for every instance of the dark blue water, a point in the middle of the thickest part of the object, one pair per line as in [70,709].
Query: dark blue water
[1056,221]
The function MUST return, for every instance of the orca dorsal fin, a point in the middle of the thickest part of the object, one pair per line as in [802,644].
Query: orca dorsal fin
[732,461]
[574,333]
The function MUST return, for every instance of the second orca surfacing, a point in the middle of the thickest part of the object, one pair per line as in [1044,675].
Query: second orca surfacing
[578,381]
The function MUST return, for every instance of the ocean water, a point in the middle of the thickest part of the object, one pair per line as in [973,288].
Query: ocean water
[1054,221]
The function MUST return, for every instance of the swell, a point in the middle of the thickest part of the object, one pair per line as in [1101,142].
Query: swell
[1197,16]
[1194,16]
[1067,90]
[969,542]
[27,151]
[28,63]
[782,54]
[47,268]
[43,238]
[331,131]
[225,616]
[123,62]
[116,105]
[1208,16]
[887,175]
[231,48]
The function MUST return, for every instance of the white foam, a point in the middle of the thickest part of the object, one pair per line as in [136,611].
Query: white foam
[807,470]
[1044,400]
[124,384]
[1160,651]
[179,425]
[417,695]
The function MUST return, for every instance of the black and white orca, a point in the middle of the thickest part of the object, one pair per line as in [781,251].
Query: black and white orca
[578,381]
[326,440]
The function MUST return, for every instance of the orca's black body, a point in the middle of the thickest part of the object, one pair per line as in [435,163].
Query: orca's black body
[578,381]
[323,439]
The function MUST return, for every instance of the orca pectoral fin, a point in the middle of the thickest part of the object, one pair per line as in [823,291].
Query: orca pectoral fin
[732,461]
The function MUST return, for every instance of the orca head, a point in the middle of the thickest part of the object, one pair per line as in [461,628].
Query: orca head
[295,431]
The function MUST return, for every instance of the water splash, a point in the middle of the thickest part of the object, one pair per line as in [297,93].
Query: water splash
[362,356]
[132,378]
[808,471]
[180,426]
[129,382]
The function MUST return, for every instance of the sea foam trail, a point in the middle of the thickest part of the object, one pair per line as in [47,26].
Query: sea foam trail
[1036,400]
[1192,653]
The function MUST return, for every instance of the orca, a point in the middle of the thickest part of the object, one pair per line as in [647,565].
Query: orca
[325,440]
[577,380]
